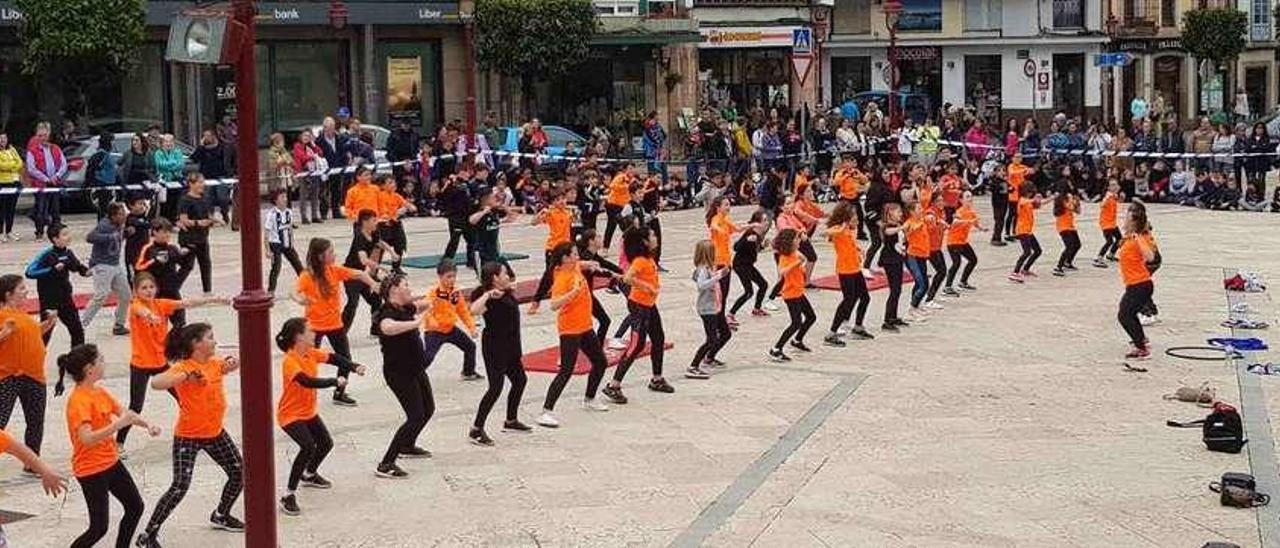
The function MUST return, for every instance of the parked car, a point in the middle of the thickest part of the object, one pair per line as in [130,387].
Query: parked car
[557,139]
[916,106]
[78,155]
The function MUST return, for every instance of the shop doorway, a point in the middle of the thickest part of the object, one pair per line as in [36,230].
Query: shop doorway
[1068,83]
[982,81]
[921,74]
[849,76]
[1167,73]
[748,77]
[1255,86]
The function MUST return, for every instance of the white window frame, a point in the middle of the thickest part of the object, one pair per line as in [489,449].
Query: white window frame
[992,15]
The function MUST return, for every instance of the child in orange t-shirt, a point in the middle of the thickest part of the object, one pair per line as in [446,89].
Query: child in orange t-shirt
[93,418]
[571,299]
[391,206]
[1065,208]
[791,268]
[23,351]
[1107,222]
[842,233]
[1028,202]
[319,292]
[296,411]
[936,225]
[148,328]
[448,308]
[196,376]
[916,228]
[958,246]
[559,220]
[640,244]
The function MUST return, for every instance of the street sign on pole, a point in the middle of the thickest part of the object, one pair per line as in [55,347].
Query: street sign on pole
[800,64]
[801,41]
[1042,81]
[1112,59]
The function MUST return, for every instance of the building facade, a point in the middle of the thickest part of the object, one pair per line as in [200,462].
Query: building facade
[746,54]
[385,60]
[1005,58]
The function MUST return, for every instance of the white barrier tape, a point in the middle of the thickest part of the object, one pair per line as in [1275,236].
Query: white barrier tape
[557,157]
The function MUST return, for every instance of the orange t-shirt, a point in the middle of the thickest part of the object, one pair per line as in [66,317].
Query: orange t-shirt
[558,220]
[951,190]
[917,238]
[961,224]
[1107,215]
[925,193]
[1026,217]
[361,196]
[201,404]
[447,308]
[574,317]
[937,230]
[94,407]
[848,256]
[802,183]
[620,190]
[146,339]
[389,204]
[22,352]
[1017,176]
[1066,221]
[324,313]
[297,402]
[722,230]
[793,280]
[1133,267]
[849,183]
[811,209]
[644,270]
[5,441]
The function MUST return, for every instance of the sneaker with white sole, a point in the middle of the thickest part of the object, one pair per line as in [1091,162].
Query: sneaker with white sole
[934,305]
[547,420]
[617,344]
[772,305]
[696,373]
[592,404]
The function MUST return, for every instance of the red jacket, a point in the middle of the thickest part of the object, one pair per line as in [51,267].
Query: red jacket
[303,155]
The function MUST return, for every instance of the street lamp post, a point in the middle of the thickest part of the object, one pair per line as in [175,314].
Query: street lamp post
[253,306]
[892,10]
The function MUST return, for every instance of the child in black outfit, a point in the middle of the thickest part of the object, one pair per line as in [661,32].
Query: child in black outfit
[163,261]
[137,231]
[51,270]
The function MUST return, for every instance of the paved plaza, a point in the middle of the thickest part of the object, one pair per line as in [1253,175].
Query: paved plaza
[1006,420]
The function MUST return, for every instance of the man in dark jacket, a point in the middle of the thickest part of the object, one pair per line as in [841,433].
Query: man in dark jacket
[402,146]
[105,262]
[215,162]
[333,145]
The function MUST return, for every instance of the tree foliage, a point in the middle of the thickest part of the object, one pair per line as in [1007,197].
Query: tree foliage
[1217,34]
[533,38]
[62,33]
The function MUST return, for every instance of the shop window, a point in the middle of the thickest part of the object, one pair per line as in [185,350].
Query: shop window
[849,76]
[985,14]
[982,85]
[306,84]
[1068,83]
[851,17]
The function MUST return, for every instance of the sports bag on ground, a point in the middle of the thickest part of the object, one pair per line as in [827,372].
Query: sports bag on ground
[1238,490]
[1223,430]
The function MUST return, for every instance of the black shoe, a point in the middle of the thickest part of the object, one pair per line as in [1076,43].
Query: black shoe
[289,505]
[226,522]
[799,345]
[315,481]
[478,437]
[119,331]
[661,385]
[1057,271]
[999,243]
[776,355]
[341,398]
[833,340]
[860,332]
[390,471]
[965,286]
[414,452]
[899,322]
[147,540]
[472,376]
[950,292]
[1070,267]
[890,327]
[615,395]
[1010,238]
[516,426]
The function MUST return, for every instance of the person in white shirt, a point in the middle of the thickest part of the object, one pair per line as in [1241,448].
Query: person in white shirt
[278,226]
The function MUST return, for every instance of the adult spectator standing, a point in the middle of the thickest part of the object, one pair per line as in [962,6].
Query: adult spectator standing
[655,145]
[1202,142]
[492,134]
[105,263]
[402,146]
[1260,146]
[533,141]
[214,161]
[136,170]
[194,220]
[308,160]
[279,168]
[46,169]
[1145,140]
[10,186]
[171,164]
[333,147]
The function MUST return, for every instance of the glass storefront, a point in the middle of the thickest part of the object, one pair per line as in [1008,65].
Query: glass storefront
[609,88]
[849,76]
[748,76]
[408,74]
[982,85]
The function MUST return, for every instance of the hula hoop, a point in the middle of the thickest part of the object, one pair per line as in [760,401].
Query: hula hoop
[1197,353]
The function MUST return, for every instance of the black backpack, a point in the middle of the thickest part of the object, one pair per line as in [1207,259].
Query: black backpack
[1223,431]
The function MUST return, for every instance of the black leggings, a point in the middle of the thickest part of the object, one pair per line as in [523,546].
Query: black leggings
[971,261]
[1111,244]
[877,240]
[750,277]
[1030,252]
[138,380]
[717,331]
[892,274]
[460,228]
[569,347]
[357,290]
[544,283]
[647,328]
[1070,246]
[612,214]
[413,391]
[939,273]
[198,255]
[185,450]
[8,206]
[314,444]
[802,318]
[805,247]
[999,210]
[98,488]
[1136,298]
[279,252]
[602,319]
[1010,218]
[655,226]
[31,394]
[432,341]
[853,288]
[70,317]
[501,365]
[341,346]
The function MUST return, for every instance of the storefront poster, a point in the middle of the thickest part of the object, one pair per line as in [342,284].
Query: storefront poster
[404,82]
[921,16]
[224,90]
[747,37]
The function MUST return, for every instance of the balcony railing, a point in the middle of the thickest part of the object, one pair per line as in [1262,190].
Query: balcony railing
[1068,14]
[748,3]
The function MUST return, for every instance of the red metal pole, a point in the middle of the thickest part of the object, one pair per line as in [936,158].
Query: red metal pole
[894,76]
[469,50]
[254,308]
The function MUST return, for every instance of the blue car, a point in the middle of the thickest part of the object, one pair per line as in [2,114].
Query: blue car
[557,138]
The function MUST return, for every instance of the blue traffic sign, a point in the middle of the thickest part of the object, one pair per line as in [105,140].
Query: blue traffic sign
[1116,59]
[802,40]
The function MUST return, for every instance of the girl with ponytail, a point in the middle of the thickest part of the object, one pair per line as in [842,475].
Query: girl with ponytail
[93,418]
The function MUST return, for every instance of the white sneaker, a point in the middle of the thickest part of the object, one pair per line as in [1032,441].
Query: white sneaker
[617,344]
[548,420]
[934,305]
[844,330]
[1148,320]
[772,305]
[917,315]
[592,404]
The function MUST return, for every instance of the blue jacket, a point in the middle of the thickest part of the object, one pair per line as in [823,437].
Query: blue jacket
[53,285]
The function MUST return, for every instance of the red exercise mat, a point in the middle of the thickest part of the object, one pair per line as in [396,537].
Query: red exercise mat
[876,281]
[32,306]
[547,360]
